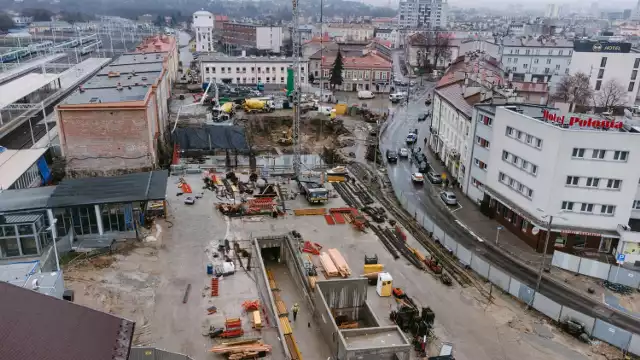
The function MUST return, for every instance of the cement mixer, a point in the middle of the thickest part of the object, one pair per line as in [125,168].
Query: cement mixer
[255,105]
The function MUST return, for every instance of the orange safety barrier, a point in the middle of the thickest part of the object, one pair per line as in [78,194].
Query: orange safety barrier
[329,219]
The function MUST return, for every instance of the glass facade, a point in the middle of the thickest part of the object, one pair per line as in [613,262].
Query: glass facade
[23,235]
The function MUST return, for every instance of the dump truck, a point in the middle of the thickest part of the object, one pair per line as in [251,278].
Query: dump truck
[314,193]
[255,105]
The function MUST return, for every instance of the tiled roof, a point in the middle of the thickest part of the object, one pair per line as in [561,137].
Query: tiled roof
[453,94]
[368,61]
[37,326]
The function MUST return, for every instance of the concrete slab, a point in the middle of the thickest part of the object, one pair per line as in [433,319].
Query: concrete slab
[364,340]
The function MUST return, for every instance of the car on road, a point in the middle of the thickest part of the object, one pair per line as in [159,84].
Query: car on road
[397,97]
[365,94]
[419,157]
[392,156]
[422,117]
[417,178]
[412,83]
[404,153]
[412,138]
[434,177]
[449,198]
[423,167]
[400,82]
[189,200]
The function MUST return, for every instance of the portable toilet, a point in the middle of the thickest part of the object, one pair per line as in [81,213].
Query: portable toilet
[385,284]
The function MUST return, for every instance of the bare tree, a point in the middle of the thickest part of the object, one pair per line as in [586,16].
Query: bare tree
[574,89]
[441,49]
[426,50]
[611,95]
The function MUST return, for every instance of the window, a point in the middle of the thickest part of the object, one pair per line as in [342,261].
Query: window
[534,169]
[529,139]
[631,85]
[222,70]
[505,155]
[607,209]
[508,60]
[598,154]
[573,180]
[603,62]
[525,164]
[558,67]
[585,207]
[636,205]
[282,80]
[515,61]
[548,61]
[282,68]
[634,74]
[546,70]
[519,134]
[535,61]
[566,71]
[229,69]
[502,176]
[598,85]
[560,52]
[524,226]
[614,184]
[515,159]
[529,193]
[237,70]
[551,52]
[509,131]
[600,73]
[567,205]
[636,64]
[593,182]
[538,143]
[266,70]
[577,153]
[213,70]
[524,66]
[570,52]
[482,142]
[480,164]
[620,155]
[485,120]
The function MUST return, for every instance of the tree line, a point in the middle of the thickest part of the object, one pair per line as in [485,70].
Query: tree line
[576,91]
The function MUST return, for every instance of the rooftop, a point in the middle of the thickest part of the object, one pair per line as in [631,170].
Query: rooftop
[459,97]
[104,190]
[14,163]
[126,79]
[530,87]
[217,57]
[158,43]
[37,326]
[544,42]
[368,61]
[15,90]
[25,199]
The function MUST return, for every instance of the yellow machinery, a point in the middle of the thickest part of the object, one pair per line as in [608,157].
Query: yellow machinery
[227,107]
[258,105]
[286,138]
[384,287]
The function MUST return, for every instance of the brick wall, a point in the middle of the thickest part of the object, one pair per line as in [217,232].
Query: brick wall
[105,142]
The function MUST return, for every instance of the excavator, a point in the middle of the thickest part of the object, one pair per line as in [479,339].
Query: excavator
[287,138]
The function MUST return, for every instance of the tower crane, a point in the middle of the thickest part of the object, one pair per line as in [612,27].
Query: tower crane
[297,90]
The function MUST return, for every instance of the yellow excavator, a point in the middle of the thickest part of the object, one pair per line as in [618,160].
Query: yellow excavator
[286,138]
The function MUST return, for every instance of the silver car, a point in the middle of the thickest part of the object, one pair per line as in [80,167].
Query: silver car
[449,198]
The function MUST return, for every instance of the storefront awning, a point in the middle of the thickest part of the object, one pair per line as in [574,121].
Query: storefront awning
[542,223]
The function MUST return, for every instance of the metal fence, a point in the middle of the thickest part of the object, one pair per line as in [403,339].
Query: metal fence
[596,269]
[597,328]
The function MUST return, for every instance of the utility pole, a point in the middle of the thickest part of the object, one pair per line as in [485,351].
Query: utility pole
[296,89]
[544,251]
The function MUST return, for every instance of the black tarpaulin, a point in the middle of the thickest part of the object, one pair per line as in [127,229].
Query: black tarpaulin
[211,137]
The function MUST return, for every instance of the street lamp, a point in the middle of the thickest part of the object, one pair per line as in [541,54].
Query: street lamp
[546,242]
[498,233]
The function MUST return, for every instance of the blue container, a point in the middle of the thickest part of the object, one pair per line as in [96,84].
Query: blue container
[209,269]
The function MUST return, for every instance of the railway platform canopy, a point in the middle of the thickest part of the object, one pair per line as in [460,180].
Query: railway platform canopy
[28,89]
[21,169]
[19,69]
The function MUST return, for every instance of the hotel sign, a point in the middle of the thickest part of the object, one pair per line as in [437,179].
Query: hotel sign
[581,121]
[601,46]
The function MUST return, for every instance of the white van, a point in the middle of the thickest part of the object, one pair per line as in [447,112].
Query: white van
[397,97]
[365,94]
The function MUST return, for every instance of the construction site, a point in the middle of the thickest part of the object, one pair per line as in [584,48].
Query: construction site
[238,254]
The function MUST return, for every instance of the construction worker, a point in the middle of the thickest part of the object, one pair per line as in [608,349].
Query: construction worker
[295,310]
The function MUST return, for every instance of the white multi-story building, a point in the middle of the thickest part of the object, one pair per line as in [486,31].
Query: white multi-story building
[350,32]
[607,61]
[536,59]
[572,170]
[430,14]
[203,25]
[390,35]
[552,11]
[248,69]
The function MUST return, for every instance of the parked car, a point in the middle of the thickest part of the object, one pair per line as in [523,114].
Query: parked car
[417,178]
[422,117]
[423,167]
[412,83]
[449,198]
[434,178]
[404,153]
[392,156]
[397,97]
[364,94]
[412,138]
[189,200]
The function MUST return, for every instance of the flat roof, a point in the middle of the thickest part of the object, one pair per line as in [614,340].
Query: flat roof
[129,68]
[23,86]
[14,163]
[139,58]
[37,326]
[18,273]
[244,59]
[104,81]
[108,95]
[25,199]
[104,190]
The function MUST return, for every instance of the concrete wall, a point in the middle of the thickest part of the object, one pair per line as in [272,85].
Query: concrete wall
[323,318]
[104,142]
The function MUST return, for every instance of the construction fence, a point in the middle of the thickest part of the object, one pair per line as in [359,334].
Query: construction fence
[596,328]
[150,353]
[613,273]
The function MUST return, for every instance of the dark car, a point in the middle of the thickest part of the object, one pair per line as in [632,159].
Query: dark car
[423,167]
[422,117]
[392,156]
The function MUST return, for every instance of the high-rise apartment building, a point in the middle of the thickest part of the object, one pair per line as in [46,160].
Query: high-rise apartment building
[430,14]
[203,25]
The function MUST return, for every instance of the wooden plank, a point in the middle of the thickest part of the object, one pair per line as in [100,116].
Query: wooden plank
[329,219]
[340,262]
[285,325]
[257,320]
[328,265]
[339,218]
[312,282]
[282,308]
[293,347]
[309,211]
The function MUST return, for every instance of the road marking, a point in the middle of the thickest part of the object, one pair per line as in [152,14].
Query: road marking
[459,207]
[469,231]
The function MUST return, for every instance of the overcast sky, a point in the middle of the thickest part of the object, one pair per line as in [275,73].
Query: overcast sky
[614,5]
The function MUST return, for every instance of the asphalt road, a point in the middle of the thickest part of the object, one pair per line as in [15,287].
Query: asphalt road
[426,198]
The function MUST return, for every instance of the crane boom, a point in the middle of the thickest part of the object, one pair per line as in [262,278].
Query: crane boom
[296,94]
